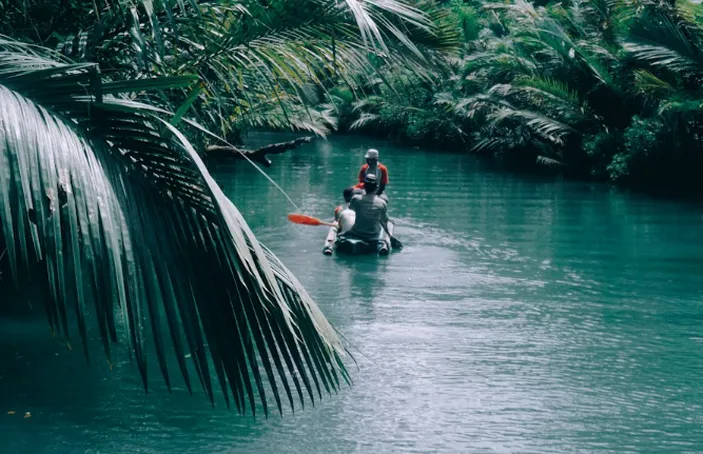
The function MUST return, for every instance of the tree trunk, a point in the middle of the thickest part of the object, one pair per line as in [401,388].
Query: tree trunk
[258,155]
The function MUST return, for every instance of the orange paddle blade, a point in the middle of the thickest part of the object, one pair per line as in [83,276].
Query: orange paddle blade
[307,220]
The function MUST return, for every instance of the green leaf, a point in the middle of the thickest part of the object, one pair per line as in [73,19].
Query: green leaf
[125,208]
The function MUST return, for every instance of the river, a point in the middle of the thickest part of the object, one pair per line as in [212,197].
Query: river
[525,314]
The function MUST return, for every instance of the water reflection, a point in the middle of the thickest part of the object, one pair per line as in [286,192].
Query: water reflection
[364,276]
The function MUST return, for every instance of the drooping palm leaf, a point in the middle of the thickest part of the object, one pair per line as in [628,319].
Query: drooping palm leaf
[499,61]
[364,119]
[547,127]
[666,39]
[664,57]
[648,83]
[124,209]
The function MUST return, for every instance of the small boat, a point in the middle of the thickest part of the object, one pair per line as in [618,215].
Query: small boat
[337,240]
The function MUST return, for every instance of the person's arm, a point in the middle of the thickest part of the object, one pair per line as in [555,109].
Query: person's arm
[384,217]
[384,180]
[352,204]
[362,173]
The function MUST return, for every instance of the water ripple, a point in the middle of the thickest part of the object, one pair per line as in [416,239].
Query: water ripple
[524,315]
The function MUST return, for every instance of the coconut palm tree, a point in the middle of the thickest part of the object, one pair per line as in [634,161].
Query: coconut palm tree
[107,207]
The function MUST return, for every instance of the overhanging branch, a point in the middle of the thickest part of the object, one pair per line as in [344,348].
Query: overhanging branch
[258,155]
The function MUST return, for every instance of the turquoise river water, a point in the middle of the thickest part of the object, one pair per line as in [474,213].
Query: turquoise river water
[525,314]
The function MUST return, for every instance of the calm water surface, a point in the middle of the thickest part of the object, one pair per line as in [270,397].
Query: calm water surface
[523,315]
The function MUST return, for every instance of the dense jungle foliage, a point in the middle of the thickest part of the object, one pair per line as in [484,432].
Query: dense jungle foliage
[606,89]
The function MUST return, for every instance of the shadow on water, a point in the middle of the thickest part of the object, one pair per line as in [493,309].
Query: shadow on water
[42,381]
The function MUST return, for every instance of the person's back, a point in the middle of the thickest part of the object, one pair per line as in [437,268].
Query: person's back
[371,212]
[373,167]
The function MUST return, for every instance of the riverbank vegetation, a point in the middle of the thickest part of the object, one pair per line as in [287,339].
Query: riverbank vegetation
[107,210]
[604,89]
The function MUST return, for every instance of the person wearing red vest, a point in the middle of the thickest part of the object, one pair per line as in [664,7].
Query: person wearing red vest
[373,166]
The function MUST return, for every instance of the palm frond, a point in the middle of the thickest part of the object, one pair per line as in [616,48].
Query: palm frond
[123,208]
[648,83]
[549,162]
[552,38]
[551,88]
[245,51]
[547,127]
[663,39]
[364,119]
[471,106]
[680,106]
[492,65]
[539,90]
[500,140]
[319,120]
[663,57]
[522,11]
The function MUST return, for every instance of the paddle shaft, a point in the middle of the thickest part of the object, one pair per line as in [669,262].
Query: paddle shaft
[394,241]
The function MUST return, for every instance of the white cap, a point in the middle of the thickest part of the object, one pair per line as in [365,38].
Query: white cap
[372,153]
